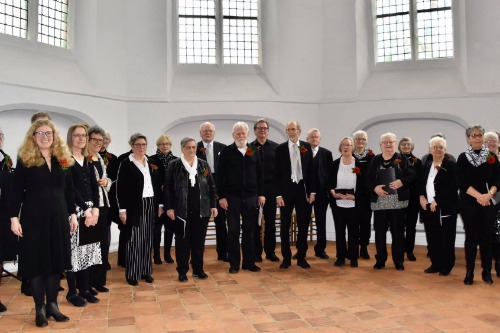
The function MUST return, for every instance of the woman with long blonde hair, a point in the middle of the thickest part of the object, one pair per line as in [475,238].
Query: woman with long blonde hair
[42,195]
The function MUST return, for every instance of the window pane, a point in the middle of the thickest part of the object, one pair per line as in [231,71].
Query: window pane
[435,29]
[52,22]
[14,17]
[393,38]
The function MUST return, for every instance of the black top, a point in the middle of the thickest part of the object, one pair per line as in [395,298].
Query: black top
[111,163]
[322,163]
[266,156]
[8,240]
[85,184]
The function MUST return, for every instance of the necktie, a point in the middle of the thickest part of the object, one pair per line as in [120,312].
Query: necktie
[210,157]
[296,164]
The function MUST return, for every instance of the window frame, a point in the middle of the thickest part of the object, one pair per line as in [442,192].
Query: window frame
[414,62]
[219,65]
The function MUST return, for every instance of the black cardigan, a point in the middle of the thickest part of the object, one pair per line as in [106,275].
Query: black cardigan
[85,184]
[360,183]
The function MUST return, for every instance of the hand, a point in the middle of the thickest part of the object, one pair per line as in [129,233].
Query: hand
[88,213]
[15,226]
[280,202]
[312,197]
[262,200]
[335,194]
[396,184]
[89,221]
[379,190]
[214,212]
[73,223]
[484,199]
[223,203]
[123,217]
[160,211]
[103,182]
[433,206]
[423,203]
[171,214]
[349,197]
[95,213]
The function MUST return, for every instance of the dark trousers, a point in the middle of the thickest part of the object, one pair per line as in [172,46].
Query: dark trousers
[382,221]
[191,245]
[122,246]
[168,236]
[221,231]
[247,209]
[441,235]
[411,224]
[365,224]
[269,212]
[320,208]
[295,199]
[346,218]
[99,272]
[478,225]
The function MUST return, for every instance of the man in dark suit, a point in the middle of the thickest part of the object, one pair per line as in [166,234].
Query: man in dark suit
[266,149]
[239,187]
[294,189]
[209,150]
[322,161]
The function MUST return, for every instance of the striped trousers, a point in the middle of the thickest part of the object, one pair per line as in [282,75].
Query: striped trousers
[140,244]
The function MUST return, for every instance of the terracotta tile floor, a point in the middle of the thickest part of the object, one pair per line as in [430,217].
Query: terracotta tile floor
[321,299]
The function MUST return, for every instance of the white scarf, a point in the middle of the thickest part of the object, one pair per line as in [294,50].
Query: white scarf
[477,159]
[190,169]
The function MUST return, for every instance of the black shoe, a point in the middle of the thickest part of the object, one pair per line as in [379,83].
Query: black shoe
[93,292]
[431,270]
[253,268]
[157,260]
[444,272]
[486,275]
[147,278]
[233,270]
[183,278]
[469,278]
[223,257]
[102,289]
[200,275]
[339,262]
[76,300]
[294,257]
[303,263]
[322,255]
[52,310]
[379,265]
[285,264]
[169,259]
[354,263]
[89,297]
[61,288]
[108,266]
[258,259]
[272,257]
[363,253]
[3,308]
[411,256]
[399,266]
[132,282]
[41,316]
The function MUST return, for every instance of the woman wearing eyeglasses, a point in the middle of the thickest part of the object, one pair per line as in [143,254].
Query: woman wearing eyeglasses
[389,178]
[43,197]
[85,245]
[138,204]
[162,158]
[479,180]
[438,198]
[364,156]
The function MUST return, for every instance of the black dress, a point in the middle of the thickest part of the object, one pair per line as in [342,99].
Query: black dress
[47,200]
[8,241]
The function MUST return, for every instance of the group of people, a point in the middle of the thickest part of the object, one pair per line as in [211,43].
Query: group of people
[63,196]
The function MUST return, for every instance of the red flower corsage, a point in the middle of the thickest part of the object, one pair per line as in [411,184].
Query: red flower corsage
[370,152]
[64,164]
[356,170]
[154,167]
[490,159]
[396,162]
[438,167]
[203,150]
[7,162]
[414,159]
[89,159]
[302,149]
[205,173]
[249,152]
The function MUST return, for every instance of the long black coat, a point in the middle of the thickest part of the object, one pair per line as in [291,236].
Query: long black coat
[8,241]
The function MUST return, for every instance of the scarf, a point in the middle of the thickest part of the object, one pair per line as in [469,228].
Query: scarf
[191,169]
[476,159]
[165,159]
[360,156]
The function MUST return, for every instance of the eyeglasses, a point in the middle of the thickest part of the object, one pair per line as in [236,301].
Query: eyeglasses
[292,129]
[438,148]
[359,139]
[387,143]
[165,144]
[346,145]
[41,134]
[262,128]
[207,131]
[189,147]
[491,142]
[80,136]
[140,145]
[2,135]
[476,136]
[96,140]
[406,144]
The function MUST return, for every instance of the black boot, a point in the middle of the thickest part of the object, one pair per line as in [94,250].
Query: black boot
[469,277]
[363,253]
[3,308]
[53,311]
[486,275]
[41,316]
[156,258]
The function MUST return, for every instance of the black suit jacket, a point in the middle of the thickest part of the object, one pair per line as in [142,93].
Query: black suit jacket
[322,163]
[283,169]
[445,186]
[200,153]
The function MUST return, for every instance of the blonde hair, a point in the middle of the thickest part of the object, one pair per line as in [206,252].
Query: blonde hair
[30,155]
[163,137]
[69,137]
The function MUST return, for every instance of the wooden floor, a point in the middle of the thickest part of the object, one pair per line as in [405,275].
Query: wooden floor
[322,299]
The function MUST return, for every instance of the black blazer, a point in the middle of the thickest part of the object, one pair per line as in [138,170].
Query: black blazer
[283,169]
[129,188]
[200,153]
[360,189]
[445,186]
[239,175]
[85,184]
[322,163]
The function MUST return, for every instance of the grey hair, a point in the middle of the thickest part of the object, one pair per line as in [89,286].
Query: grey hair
[96,130]
[185,141]
[313,130]
[207,123]
[293,121]
[360,132]
[435,139]
[392,135]
[136,136]
[240,124]
[469,129]
[494,134]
